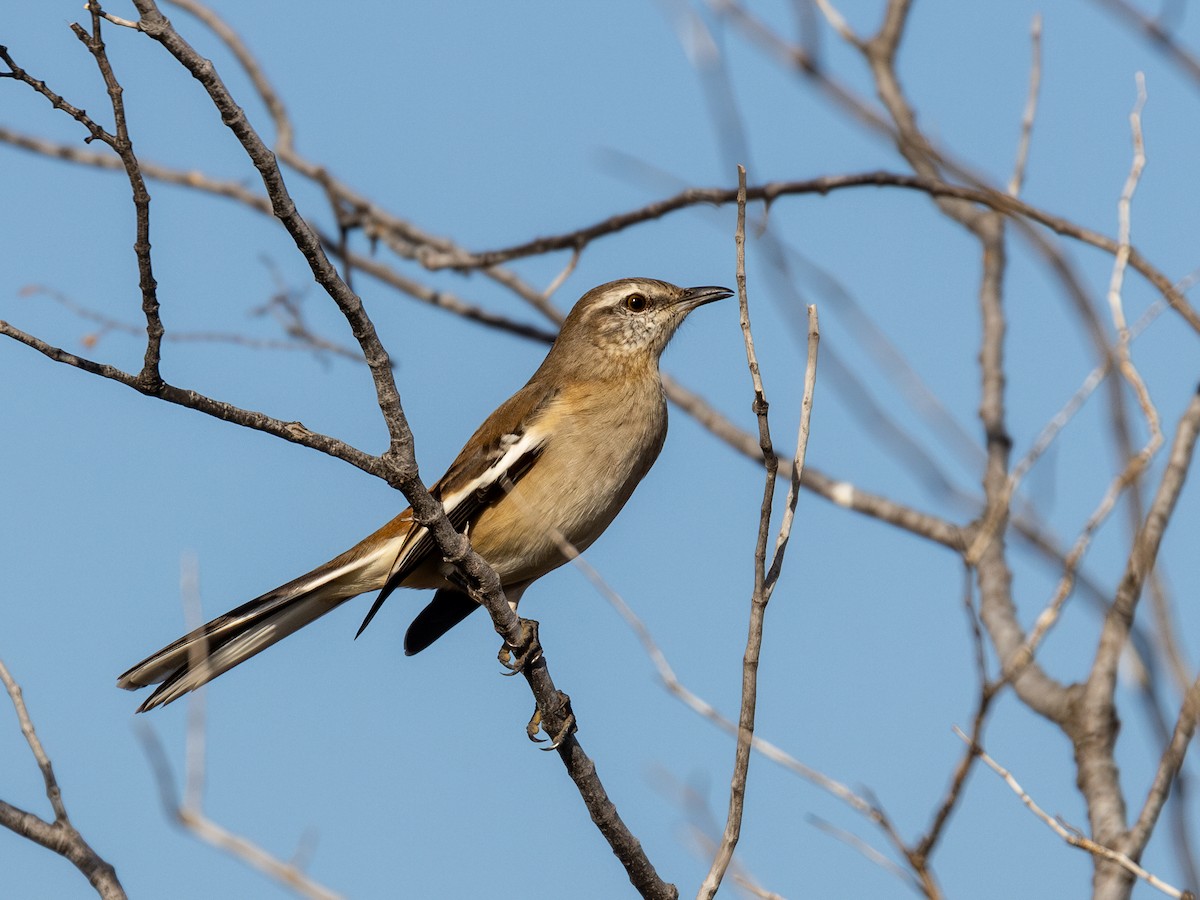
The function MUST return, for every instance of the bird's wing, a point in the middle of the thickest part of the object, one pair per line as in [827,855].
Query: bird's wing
[448,607]
[503,449]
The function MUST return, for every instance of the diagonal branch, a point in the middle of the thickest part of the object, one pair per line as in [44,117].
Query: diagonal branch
[764,579]
[59,836]
[398,464]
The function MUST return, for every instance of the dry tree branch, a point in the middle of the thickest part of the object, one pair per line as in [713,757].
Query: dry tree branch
[922,849]
[308,243]
[1092,726]
[59,836]
[238,192]
[246,418]
[991,565]
[1072,835]
[302,338]
[401,236]
[1092,729]
[839,492]
[1158,35]
[149,378]
[1071,562]
[869,853]
[397,465]
[1124,359]
[989,198]
[870,809]
[188,812]
[1031,104]
[704,830]
[758,603]
[122,145]
[764,579]
[1058,264]
[193,819]
[1168,769]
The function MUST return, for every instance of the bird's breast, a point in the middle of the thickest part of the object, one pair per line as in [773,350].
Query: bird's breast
[603,439]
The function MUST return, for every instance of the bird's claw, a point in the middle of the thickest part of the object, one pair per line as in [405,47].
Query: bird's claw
[567,727]
[529,651]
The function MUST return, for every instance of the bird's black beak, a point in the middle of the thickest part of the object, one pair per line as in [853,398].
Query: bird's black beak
[698,296]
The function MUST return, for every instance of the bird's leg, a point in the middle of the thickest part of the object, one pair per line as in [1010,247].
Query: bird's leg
[559,718]
[561,714]
[526,652]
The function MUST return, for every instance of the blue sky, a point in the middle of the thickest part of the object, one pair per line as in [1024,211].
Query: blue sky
[492,124]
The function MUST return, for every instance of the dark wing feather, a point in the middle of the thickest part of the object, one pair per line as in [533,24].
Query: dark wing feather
[447,608]
[493,461]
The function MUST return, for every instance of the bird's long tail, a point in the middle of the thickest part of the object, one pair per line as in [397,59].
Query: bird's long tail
[202,655]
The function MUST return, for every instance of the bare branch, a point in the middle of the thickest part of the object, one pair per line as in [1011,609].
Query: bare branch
[1168,770]
[869,809]
[869,853]
[1031,103]
[1094,733]
[157,27]
[283,307]
[1072,835]
[771,191]
[59,836]
[397,465]
[194,820]
[122,145]
[764,580]
[1158,35]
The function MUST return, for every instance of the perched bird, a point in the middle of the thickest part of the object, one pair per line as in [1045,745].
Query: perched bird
[554,463]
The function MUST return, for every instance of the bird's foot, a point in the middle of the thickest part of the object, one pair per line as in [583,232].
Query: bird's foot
[527,652]
[561,719]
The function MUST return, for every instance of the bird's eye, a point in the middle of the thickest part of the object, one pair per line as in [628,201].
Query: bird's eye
[636,303]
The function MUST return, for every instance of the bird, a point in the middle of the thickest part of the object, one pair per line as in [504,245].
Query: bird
[546,472]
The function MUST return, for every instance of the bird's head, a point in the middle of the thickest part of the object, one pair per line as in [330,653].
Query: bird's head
[631,319]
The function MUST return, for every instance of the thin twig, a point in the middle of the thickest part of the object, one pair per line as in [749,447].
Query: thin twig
[1097,704]
[188,812]
[1071,562]
[1136,464]
[869,853]
[1168,768]
[870,809]
[398,464]
[285,312]
[705,833]
[764,578]
[197,823]
[122,145]
[1072,835]
[59,836]
[992,199]
[758,602]
[1031,104]
[1158,35]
